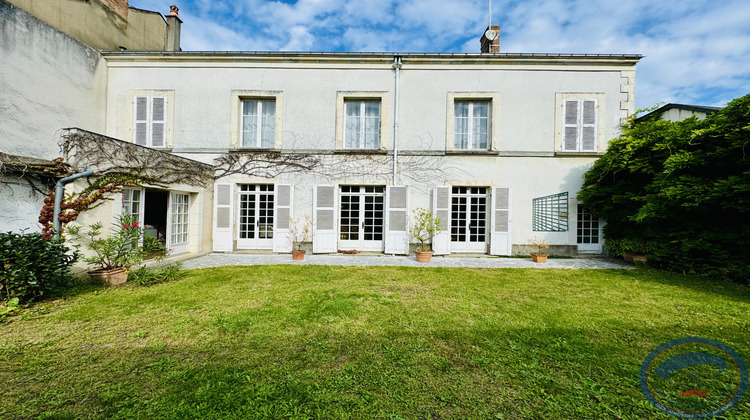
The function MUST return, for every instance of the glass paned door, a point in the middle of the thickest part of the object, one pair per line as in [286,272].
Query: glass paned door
[469,219]
[256,215]
[361,217]
[588,232]
[179,207]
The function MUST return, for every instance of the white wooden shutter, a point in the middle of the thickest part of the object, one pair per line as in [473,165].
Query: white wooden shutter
[140,120]
[397,215]
[158,120]
[324,219]
[283,198]
[570,126]
[588,126]
[441,207]
[223,221]
[500,225]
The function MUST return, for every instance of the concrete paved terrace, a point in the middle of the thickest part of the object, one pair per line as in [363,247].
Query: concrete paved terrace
[217,260]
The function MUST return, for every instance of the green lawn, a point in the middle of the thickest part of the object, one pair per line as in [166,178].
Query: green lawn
[362,342]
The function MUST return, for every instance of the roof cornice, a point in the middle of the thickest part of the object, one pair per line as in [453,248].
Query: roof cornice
[369,58]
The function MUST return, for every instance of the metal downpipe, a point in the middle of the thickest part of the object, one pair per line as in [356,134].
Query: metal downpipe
[59,191]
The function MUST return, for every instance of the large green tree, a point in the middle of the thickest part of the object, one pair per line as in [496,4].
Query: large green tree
[680,188]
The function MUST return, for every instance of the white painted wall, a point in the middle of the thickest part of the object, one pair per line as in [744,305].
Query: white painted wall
[527,158]
[48,81]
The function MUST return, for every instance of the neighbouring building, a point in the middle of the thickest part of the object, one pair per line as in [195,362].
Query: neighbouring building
[678,112]
[495,144]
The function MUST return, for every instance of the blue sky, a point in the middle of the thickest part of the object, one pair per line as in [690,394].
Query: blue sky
[695,51]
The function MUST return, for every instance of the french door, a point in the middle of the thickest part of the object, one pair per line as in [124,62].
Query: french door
[256,215]
[361,217]
[588,232]
[469,219]
[177,228]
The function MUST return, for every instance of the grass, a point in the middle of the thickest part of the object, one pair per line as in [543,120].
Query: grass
[362,342]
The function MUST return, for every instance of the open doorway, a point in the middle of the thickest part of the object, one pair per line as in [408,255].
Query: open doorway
[155,213]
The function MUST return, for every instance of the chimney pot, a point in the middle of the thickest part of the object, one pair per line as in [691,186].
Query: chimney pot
[173,10]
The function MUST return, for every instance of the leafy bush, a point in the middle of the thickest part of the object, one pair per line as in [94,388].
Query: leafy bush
[121,249]
[31,266]
[681,189]
[146,276]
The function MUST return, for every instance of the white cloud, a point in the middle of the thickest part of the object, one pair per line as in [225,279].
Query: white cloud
[695,51]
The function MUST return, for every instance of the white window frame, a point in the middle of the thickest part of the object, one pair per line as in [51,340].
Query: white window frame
[179,245]
[236,116]
[260,126]
[561,99]
[471,120]
[493,129]
[361,134]
[342,97]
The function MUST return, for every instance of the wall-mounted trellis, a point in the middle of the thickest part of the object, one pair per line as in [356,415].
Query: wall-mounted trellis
[550,213]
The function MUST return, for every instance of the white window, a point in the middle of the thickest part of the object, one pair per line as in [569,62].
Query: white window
[362,125]
[178,224]
[131,203]
[580,125]
[259,123]
[150,120]
[471,125]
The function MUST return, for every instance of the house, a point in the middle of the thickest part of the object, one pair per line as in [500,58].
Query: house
[677,112]
[496,144]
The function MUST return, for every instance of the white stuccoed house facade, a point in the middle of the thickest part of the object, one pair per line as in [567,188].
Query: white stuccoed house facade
[495,144]
[490,142]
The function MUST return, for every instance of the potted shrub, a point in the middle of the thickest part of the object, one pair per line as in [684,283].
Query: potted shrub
[300,231]
[539,244]
[425,226]
[113,256]
[631,249]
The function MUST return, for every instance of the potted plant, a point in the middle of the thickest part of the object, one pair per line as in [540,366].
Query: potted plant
[631,249]
[300,231]
[425,226]
[539,244]
[113,256]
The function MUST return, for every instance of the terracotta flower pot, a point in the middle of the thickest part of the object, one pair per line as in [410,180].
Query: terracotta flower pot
[423,256]
[298,254]
[539,258]
[639,259]
[113,277]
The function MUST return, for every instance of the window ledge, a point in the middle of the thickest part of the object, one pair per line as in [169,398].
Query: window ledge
[361,152]
[253,149]
[579,154]
[472,152]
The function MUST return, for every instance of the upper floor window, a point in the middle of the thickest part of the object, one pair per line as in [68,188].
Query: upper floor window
[362,125]
[471,125]
[150,122]
[579,132]
[258,123]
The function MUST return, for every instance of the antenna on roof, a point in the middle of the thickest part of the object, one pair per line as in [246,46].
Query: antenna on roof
[490,34]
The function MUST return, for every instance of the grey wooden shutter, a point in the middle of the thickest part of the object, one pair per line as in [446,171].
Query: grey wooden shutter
[588,126]
[441,207]
[223,222]
[158,120]
[500,229]
[283,198]
[396,229]
[140,120]
[570,126]
[324,218]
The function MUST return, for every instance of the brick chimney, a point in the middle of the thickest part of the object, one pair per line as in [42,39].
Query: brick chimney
[173,30]
[489,47]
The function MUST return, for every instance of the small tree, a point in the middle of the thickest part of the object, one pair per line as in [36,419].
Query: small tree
[425,227]
[539,244]
[300,230]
